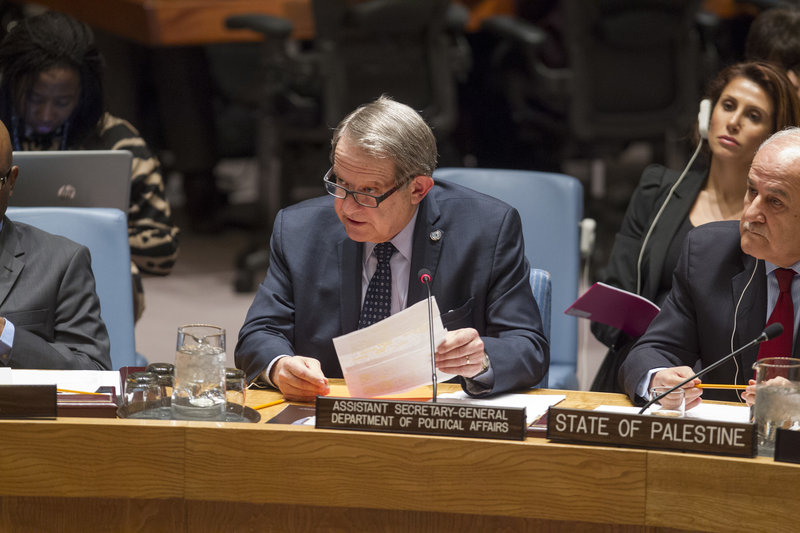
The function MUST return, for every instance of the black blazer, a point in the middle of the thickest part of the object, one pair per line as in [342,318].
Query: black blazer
[312,291]
[621,270]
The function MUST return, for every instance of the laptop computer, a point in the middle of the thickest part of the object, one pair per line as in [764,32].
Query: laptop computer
[73,178]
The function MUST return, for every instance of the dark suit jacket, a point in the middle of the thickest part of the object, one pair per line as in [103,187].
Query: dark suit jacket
[312,292]
[697,319]
[647,199]
[47,292]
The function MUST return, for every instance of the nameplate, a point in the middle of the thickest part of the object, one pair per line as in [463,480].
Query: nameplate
[787,445]
[651,431]
[28,401]
[445,419]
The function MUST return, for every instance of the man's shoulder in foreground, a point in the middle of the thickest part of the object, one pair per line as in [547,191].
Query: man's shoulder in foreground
[34,239]
[714,240]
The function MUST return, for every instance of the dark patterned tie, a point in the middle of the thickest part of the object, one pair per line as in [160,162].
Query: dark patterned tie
[378,300]
[781,346]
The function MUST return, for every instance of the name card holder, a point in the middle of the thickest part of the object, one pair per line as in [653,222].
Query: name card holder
[651,431]
[444,419]
[28,401]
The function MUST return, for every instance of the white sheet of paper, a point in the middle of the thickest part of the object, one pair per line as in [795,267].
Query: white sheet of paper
[704,411]
[393,355]
[535,404]
[79,380]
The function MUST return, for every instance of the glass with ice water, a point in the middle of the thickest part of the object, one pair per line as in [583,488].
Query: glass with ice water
[777,399]
[198,391]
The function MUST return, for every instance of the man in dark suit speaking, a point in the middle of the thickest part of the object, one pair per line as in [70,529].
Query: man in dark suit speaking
[731,280]
[331,254]
[49,311]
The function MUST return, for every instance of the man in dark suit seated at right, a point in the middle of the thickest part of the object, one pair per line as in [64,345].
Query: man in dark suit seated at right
[384,209]
[728,282]
[49,311]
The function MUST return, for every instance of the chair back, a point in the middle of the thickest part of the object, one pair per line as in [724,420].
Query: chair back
[634,67]
[542,288]
[397,47]
[551,207]
[105,232]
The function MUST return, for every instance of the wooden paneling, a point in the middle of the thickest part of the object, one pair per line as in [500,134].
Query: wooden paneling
[128,475]
[722,493]
[84,458]
[417,473]
[90,515]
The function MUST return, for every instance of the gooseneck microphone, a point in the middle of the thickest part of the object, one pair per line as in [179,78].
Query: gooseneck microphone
[770,332]
[424,276]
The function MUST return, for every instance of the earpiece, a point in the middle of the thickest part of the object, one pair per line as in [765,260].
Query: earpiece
[704,117]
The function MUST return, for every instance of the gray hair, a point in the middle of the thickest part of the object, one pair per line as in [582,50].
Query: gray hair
[388,129]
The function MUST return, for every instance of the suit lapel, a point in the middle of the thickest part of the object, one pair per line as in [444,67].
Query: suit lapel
[426,247]
[752,312]
[675,213]
[11,258]
[350,253]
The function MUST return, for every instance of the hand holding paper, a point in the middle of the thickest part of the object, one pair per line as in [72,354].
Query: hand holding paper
[392,355]
[460,353]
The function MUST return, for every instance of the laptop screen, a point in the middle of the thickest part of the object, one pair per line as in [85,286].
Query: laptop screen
[73,178]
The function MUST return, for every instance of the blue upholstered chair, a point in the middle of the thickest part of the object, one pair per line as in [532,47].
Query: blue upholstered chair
[105,232]
[543,294]
[542,287]
[551,208]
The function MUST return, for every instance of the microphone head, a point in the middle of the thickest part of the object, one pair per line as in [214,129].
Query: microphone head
[772,331]
[424,275]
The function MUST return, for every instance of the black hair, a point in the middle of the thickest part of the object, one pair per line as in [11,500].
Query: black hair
[42,42]
[774,36]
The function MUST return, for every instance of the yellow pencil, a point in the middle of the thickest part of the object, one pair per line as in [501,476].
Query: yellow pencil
[720,386]
[82,392]
[268,404]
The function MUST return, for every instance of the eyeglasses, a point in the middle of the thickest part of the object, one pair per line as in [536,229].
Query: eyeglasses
[361,198]
[4,177]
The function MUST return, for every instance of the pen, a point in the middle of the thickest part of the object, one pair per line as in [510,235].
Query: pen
[82,392]
[268,404]
[720,386]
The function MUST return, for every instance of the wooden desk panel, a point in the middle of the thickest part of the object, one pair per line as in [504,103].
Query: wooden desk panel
[102,458]
[127,475]
[722,493]
[417,473]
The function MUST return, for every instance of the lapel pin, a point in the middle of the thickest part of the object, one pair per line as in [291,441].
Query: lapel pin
[436,235]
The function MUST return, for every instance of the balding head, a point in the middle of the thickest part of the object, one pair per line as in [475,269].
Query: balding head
[770,225]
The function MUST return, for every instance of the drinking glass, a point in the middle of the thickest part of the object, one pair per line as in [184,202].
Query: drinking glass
[164,371]
[235,388]
[198,390]
[673,404]
[142,395]
[777,399]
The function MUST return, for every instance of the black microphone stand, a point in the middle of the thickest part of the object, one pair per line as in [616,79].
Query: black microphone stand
[770,332]
[425,278]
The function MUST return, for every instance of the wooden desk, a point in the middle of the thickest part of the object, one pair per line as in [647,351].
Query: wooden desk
[129,475]
[181,22]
